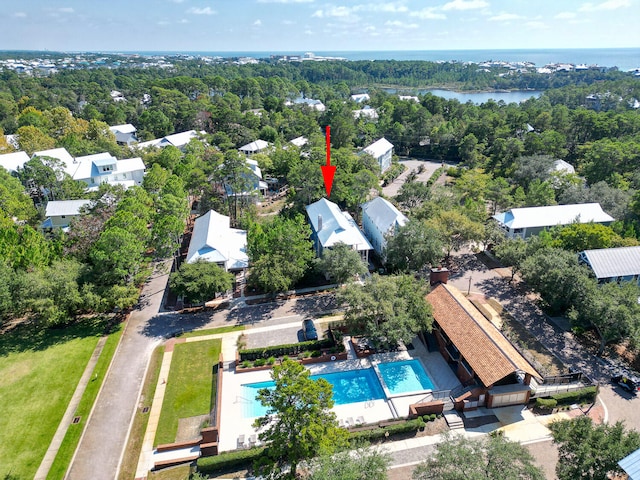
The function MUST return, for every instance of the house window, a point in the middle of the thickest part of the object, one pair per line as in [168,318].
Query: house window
[63,216]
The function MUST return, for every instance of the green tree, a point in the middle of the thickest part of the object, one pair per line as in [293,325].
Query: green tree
[14,202]
[341,262]
[413,246]
[586,236]
[299,423]
[512,253]
[360,464]
[31,139]
[388,309]
[200,281]
[492,457]
[456,229]
[280,253]
[413,194]
[589,451]
[116,256]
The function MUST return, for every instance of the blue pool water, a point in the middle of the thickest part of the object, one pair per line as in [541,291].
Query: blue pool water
[350,386]
[405,376]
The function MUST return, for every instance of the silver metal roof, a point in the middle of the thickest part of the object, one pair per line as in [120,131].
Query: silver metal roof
[613,262]
[631,465]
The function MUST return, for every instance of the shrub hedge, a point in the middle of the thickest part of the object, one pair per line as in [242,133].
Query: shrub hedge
[546,403]
[377,433]
[291,349]
[223,461]
[584,395]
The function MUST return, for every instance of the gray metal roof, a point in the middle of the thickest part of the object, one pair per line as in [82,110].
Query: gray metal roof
[631,465]
[551,215]
[384,214]
[613,262]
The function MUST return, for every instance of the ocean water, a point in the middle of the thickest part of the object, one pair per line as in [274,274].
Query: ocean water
[624,58]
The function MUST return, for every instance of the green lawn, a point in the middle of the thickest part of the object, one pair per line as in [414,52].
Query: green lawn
[212,331]
[40,370]
[71,439]
[190,386]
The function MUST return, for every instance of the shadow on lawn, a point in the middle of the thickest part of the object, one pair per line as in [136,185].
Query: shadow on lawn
[34,337]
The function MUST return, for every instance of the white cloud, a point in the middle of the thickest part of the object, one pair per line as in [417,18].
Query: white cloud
[308,32]
[344,14]
[19,15]
[177,1]
[399,24]
[428,14]
[318,14]
[387,7]
[565,16]
[537,25]
[286,1]
[257,23]
[65,10]
[465,5]
[201,11]
[608,5]
[163,23]
[505,17]
[288,22]
[184,20]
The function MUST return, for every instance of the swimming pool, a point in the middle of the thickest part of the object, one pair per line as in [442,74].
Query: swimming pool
[405,376]
[350,386]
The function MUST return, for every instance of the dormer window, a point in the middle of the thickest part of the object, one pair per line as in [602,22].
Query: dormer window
[107,168]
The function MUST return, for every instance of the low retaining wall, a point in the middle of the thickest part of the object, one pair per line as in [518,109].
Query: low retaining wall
[426,408]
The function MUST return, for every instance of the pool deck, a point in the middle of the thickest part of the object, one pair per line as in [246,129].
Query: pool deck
[236,429]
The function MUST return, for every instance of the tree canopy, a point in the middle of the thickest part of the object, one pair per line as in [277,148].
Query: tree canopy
[388,309]
[591,451]
[299,423]
[200,281]
[490,457]
[341,263]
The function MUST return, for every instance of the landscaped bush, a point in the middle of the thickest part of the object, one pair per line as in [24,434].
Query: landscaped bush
[259,362]
[316,354]
[584,395]
[546,403]
[271,360]
[292,349]
[226,460]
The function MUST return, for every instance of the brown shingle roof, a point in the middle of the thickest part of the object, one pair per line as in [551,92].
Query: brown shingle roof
[491,356]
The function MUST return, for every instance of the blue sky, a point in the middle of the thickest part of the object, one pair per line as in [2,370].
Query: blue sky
[316,25]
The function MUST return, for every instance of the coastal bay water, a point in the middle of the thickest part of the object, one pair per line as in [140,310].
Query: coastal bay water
[478,98]
[624,58]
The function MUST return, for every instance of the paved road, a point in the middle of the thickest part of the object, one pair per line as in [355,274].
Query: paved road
[102,443]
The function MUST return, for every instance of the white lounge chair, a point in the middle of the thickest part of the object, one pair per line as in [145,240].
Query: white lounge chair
[241,441]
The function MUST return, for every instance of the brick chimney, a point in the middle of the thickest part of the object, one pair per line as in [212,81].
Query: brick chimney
[438,275]
[319,222]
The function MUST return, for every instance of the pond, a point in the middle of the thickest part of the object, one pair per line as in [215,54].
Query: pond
[478,98]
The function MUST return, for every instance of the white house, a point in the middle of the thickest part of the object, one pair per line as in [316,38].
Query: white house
[360,97]
[331,226]
[254,177]
[379,218]
[59,213]
[563,167]
[12,161]
[367,112]
[178,140]
[254,147]
[68,163]
[524,222]
[299,141]
[620,264]
[104,168]
[382,151]
[311,102]
[213,240]
[124,133]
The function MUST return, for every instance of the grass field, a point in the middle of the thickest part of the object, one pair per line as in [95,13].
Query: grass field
[40,369]
[190,386]
[213,331]
[71,439]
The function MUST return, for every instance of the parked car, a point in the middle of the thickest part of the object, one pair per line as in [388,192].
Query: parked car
[630,384]
[309,330]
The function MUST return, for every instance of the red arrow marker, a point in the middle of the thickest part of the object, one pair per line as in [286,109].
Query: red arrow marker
[328,170]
